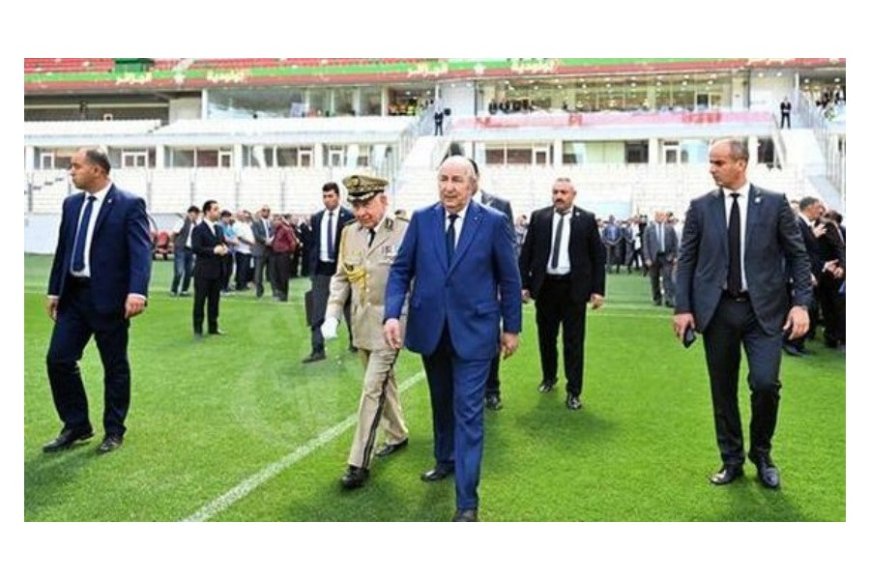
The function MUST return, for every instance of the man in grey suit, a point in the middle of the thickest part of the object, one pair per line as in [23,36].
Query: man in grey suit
[659,255]
[262,250]
[732,287]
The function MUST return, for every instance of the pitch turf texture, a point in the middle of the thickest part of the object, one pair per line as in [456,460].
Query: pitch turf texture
[235,428]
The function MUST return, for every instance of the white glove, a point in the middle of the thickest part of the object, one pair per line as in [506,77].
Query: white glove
[328,328]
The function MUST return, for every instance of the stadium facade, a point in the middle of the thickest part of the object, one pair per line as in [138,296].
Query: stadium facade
[632,133]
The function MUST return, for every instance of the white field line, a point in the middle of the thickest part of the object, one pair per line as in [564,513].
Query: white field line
[240,491]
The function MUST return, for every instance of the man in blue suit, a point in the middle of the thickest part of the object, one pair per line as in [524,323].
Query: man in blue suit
[99,281]
[465,307]
[740,243]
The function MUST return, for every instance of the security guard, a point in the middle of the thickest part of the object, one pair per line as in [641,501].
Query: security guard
[368,247]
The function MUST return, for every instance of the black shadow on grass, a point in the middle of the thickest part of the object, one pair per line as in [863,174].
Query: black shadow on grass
[47,474]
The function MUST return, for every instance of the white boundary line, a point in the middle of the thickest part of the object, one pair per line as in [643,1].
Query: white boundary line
[240,491]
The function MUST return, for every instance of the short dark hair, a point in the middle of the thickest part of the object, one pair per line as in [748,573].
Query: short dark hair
[193,209]
[739,149]
[807,201]
[208,205]
[99,158]
[331,186]
[226,213]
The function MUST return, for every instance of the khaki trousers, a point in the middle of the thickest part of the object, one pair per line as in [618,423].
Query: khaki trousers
[379,405]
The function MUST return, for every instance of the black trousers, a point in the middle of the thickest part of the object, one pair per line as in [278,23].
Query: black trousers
[734,324]
[493,384]
[833,305]
[77,322]
[320,294]
[243,270]
[206,289]
[282,273]
[261,268]
[664,268]
[554,307]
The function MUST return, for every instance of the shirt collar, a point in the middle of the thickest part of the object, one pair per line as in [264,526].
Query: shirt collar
[743,190]
[101,194]
[461,213]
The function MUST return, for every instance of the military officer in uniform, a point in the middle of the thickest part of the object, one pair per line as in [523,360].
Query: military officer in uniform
[367,249]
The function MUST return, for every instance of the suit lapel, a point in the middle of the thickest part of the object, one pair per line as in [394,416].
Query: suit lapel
[547,229]
[753,210]
[108,205]
[473,218]
[438,235]
[574,235]
[718,207]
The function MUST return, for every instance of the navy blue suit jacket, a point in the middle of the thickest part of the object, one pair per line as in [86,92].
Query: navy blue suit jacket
[477,292]
[209,265]
[344,216]
[120,258]
[773,248]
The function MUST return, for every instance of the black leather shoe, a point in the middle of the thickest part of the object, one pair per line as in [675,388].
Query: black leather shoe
[727,474]
[437,473]
[546,386]
[465,516]
[792,350]
[354,477]
[493,402]
[110,443]
[768,474]
[67,439]
[217,332]
[352,349]
[314,357]
[573,402]
[390,448]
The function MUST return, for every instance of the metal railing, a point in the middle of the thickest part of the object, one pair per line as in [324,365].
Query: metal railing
[832,144]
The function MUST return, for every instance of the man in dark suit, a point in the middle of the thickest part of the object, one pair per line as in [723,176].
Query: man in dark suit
[492,395]
[659,255]
[210,248]
[182,253]
[808,212]
[326,226]
[562,266]
[732,287]
[458,261]
[99,281]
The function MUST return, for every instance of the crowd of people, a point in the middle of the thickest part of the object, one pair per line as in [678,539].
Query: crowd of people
[449,284]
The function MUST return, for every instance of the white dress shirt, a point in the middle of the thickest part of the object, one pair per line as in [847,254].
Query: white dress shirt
[100,197]
[324,235]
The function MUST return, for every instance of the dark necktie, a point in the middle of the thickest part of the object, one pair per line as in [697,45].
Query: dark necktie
[82,235]
[330,242]
[557,244]
[451,237]
[734,278]
[371,236]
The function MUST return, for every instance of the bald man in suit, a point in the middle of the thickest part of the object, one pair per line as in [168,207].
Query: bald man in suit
[732,288]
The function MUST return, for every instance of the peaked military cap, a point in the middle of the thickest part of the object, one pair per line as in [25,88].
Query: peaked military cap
[363,187]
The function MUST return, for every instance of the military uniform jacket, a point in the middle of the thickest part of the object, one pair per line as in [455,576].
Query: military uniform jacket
[362,272]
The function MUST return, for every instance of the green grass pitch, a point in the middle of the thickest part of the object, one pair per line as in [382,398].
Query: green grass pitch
[208,416]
